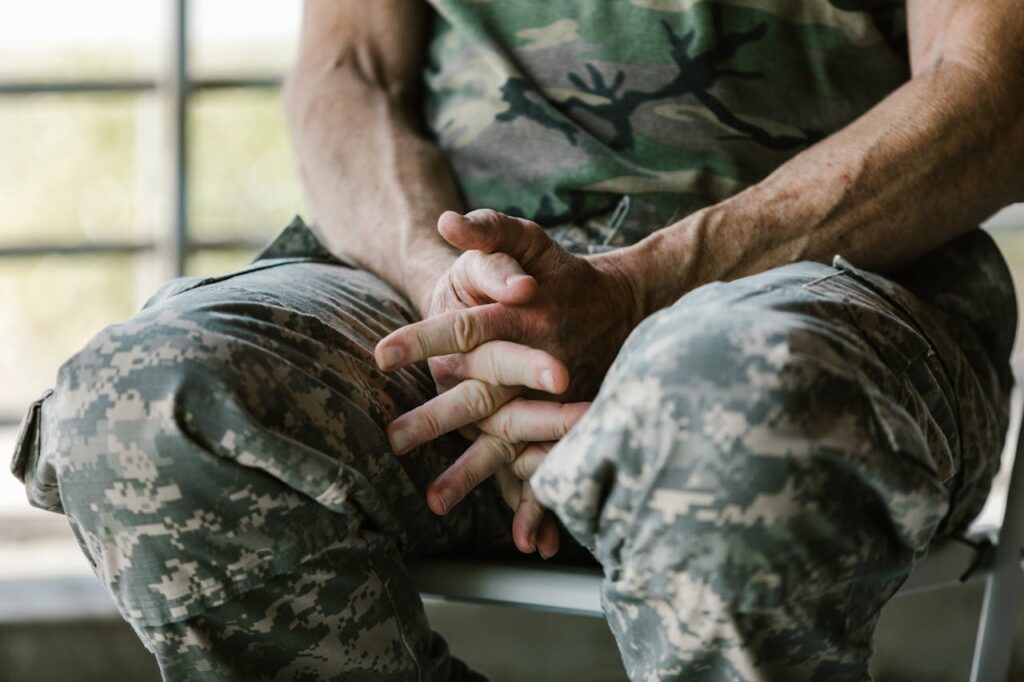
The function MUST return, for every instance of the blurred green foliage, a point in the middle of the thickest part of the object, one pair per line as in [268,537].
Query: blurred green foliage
[78,167]
[51,306]
[243,181]
[93,167]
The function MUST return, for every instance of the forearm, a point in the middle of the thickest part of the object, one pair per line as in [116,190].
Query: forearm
[375,183]
[932,160]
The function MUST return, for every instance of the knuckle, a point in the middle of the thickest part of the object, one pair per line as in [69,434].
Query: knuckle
[457,271]
[506,451]
[469,479]
[490,260]
[430,425]
[474,261]
[521,468]
[533,230]
[543,324]
[505,426]
[490,215]
[465,331]
[492,366]
[480,399]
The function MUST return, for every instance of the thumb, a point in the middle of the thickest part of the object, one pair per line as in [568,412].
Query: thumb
[496,277]
[489,231]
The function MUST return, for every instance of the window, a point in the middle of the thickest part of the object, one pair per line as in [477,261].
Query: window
[142,140]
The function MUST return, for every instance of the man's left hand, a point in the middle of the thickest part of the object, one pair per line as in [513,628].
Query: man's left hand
[579,311]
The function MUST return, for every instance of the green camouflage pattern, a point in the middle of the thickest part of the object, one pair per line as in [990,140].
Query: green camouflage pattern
[556,109]
[764,464]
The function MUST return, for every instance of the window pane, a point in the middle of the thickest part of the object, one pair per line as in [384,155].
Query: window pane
[51,306]
[79,167]
[242,37]
[207,263]
[243,181]
[64,39]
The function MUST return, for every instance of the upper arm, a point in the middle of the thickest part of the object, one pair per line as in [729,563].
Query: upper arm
[981,34]
[380,41]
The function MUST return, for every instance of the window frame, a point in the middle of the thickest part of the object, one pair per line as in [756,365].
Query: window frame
[177,87]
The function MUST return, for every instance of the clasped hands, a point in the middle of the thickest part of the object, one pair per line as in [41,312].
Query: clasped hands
[518,337]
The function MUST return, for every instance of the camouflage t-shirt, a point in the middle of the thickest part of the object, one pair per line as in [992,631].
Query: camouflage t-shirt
[557,109]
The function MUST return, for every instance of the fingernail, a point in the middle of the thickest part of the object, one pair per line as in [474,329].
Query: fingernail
[392,355]
[400,440]
[547,380]
[447,498]
[512,279]
[544,556]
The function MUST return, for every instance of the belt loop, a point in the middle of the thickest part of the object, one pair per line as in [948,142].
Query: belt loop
[840,263]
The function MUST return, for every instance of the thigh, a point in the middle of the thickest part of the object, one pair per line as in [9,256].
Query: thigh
[233,430]
[740,363]
[762,467]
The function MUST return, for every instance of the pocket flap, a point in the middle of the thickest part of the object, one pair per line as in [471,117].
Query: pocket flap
[26,445]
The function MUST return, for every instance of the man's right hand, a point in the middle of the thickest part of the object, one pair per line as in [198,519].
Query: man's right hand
[482,396]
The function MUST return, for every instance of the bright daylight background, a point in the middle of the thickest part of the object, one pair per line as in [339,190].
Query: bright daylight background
[96,168]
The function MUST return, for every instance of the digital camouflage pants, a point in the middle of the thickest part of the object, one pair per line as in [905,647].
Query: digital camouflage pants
[766,461]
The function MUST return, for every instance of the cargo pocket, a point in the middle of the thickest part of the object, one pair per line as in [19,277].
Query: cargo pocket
[40,480]
[926,386]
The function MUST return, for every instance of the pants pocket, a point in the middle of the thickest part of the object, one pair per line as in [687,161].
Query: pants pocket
[39,479]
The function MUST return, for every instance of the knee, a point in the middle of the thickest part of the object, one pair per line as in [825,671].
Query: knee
[702,419]
[740,441]
[774,468]
[126,394]
[178,407]
[161,415]
[128,398]
[751,411]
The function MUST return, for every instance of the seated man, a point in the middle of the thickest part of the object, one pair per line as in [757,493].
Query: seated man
[655,190]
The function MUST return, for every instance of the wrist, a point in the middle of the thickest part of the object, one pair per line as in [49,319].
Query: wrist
[629,271]
[420,273]
[659,268]
[682,256]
